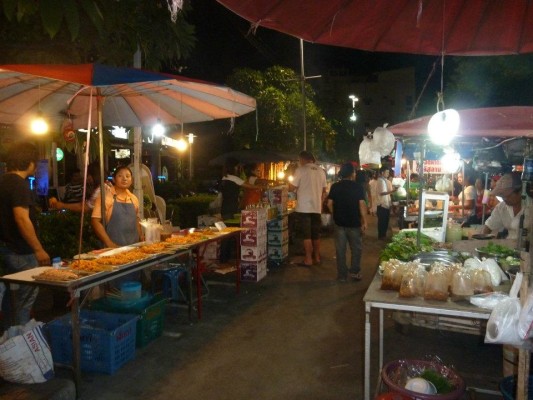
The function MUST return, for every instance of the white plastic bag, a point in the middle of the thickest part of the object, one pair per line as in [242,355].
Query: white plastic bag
[502,326]
[25,355]
[525,321]
[366,154]
[383,141]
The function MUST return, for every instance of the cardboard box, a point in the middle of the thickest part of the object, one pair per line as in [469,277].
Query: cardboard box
[278,196]
[278,224]
[253,253]
[254,218]
[253,271]
[211,252]
[253,237]
[278,252]
[278,237]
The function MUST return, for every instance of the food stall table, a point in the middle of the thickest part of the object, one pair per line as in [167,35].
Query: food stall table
[389,300]
[198,250]
[75,288]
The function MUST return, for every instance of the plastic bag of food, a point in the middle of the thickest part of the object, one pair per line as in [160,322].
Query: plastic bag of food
[525,321]
[491,266]
[437,283]
[488,300]
[462,283]
[481,281]
[413,282]
[392,274]
[366,154]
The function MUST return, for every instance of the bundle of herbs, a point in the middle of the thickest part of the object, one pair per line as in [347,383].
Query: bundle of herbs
[403,246]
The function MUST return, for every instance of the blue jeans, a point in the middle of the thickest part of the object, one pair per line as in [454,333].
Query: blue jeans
[352,237]
[25,295]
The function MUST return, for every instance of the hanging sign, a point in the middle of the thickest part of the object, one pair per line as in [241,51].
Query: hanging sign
[433,167]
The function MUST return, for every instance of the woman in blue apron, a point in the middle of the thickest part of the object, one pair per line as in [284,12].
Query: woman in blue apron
[121,213]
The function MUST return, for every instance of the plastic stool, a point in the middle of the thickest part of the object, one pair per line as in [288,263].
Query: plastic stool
[170,279]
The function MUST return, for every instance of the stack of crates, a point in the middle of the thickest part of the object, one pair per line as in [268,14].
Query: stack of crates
[278,229]
[254,244]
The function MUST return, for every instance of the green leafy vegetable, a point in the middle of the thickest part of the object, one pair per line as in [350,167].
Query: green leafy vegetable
[403,246]
[497,249]
[442,384]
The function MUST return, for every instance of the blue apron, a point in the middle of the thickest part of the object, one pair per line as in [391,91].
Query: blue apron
[122,226]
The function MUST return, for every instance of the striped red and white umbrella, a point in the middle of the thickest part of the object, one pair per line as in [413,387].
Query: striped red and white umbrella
[127,96]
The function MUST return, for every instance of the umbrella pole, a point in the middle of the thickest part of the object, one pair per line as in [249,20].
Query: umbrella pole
[137,155]
[99,105]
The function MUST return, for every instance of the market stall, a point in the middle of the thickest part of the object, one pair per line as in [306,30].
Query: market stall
[96,268]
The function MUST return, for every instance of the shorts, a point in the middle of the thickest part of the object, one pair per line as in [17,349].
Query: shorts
[309,225]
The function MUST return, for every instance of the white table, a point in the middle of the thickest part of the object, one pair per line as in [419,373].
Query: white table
[389,300]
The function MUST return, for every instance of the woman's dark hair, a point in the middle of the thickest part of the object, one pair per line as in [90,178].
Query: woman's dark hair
[20,156]
[120,168]
[249,169]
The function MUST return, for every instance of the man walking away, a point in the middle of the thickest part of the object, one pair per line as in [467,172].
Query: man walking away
[346,201]
[384,190]
[19,245]
[310,185]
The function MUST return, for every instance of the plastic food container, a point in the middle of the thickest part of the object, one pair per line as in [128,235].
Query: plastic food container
[130,290]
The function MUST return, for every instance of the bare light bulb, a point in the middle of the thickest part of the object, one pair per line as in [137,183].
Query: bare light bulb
[39,126]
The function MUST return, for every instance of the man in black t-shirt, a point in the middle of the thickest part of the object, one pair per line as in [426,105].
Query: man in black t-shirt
[19,244]
[346,201]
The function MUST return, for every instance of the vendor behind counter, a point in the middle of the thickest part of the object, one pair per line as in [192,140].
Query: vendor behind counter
[509,213]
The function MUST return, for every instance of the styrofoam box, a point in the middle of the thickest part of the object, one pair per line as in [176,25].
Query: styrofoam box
[278,196]
[253,253]
[278,237]
[212,251]
[278,224]
[253,271]
[253,237]
[254,218]
[206,220]
[278,252]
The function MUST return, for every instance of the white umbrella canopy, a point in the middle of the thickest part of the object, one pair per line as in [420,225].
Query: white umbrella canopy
[128,96]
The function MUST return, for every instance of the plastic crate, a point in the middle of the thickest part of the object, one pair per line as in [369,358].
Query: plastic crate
[107,341]
[151,317]
[508,387]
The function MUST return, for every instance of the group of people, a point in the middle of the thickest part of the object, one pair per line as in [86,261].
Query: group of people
[20,247]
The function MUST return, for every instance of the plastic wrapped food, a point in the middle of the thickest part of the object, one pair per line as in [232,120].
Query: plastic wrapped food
[481,281]
[462,283]
[413,282]
[392,274]
[436,286]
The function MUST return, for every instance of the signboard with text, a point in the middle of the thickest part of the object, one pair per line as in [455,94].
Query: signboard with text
[433,167]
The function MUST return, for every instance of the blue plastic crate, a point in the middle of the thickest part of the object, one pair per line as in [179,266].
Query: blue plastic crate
[151,317]
[107,341]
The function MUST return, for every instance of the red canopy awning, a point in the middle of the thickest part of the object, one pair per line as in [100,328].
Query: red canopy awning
[487,122]
[471,27]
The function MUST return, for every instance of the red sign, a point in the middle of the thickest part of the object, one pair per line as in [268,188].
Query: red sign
[433,167]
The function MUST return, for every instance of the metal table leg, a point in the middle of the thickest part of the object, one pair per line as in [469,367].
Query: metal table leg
[76,357]
[368,308]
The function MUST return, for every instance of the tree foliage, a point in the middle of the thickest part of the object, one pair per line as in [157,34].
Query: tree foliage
[77,31]
[490,81]
[279,113]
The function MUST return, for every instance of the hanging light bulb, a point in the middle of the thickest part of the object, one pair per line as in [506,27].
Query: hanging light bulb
[181,144]
[451,162]
[39,126]
[443,126]
[158,129]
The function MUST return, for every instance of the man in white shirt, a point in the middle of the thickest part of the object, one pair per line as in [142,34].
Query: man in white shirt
[310,185]
[384,190]
[507,214]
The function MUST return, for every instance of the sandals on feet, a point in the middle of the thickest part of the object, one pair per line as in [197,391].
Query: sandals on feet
[356,277]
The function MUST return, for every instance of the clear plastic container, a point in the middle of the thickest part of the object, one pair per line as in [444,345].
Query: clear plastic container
[130,290]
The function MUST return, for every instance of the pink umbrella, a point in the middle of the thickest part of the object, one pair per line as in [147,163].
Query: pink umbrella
[451,27]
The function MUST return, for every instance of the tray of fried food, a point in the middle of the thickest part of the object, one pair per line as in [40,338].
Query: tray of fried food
[56,275]
[229,229]
[186,240]
[88,267]
[154,248]
[123,258]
